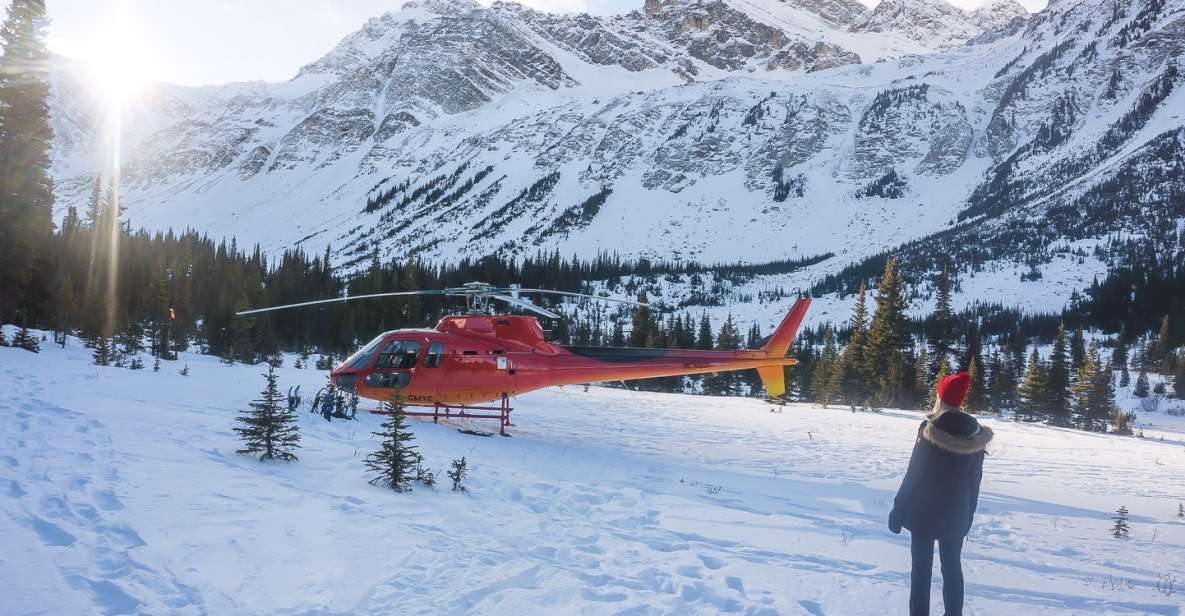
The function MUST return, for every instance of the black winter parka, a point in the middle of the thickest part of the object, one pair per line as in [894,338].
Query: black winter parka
[940,492]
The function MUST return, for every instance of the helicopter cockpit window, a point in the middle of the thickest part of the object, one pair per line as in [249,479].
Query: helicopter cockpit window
[435,353]
[362,358]
[399,354]
[398,380]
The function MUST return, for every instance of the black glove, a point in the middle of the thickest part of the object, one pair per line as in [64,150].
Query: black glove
[894,522]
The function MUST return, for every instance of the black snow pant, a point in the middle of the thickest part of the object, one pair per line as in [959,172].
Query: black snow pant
[950,552]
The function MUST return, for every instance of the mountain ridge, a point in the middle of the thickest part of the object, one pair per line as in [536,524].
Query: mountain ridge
[470,130]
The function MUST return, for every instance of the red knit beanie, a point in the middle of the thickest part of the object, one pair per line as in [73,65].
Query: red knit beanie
[953,389]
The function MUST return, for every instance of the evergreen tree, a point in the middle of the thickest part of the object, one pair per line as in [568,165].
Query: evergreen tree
[156,364]
[103,354]
[824,383]
[921,373]
[457,472]
[1031,400]
[1017,346]
[1142,388]
[3,338]
[131,337]
[705,340]
[1119,359]
[94,203]
[26,188]
[641,325]
[942,329]
[394,463]
[1002,384]
[270,429]
[977,392]
[724,383]
[1122,422]
[1158,350]
[617,338]
[854,380]
[1077,350]
[932,395]
[1120,528]
[1179,378]
[424,475]
[888,335]
[1057,382]
[25,340]
[1094,395]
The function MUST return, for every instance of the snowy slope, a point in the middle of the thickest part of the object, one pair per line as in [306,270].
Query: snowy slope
[120,494]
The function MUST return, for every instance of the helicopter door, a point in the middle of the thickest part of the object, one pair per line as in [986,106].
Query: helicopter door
[432,375]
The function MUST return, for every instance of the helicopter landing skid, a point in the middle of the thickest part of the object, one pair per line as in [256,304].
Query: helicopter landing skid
[464,411]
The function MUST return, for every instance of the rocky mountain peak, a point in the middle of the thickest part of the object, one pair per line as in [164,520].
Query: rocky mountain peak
[998,13]
[936,22]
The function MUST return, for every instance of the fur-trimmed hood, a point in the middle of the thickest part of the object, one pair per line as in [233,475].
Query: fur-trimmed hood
[956,432]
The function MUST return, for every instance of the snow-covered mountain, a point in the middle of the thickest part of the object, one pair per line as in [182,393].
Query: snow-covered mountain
[936,22]
[717,130]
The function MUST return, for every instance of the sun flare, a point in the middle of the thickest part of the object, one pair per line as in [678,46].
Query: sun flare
[120,68]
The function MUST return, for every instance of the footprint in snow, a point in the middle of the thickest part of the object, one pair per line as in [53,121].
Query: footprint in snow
[107,501]
[710,562]
[49,533]
[108,598]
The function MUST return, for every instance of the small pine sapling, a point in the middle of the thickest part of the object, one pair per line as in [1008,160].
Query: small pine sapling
[1181,511]
[1120,529]
[270,428]
[156,364]
[101,356]
[136,364]
[3,338]
[184,371]
[25,340]
[1122,422]
[424,475]
[394,463]
[457,473]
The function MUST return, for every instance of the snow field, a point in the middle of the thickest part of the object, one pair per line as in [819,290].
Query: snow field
[120,492]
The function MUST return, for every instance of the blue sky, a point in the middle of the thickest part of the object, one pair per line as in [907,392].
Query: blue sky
[218,41]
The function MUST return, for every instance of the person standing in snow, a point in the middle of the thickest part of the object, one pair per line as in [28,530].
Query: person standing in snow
[327,403]
[939,494]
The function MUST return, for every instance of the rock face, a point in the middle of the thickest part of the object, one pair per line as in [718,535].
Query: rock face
[709,129]
[936,22]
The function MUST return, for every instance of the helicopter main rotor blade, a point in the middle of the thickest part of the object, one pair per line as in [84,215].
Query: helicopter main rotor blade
[525,305]
[595,297]
[337,299]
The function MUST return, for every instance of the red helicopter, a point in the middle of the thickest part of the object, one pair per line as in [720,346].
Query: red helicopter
[481,357]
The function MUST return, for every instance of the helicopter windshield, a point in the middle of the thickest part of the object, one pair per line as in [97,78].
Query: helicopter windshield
[360,359]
